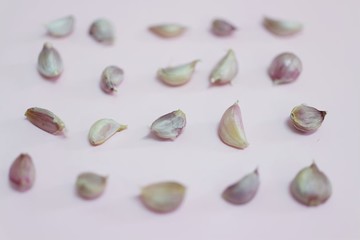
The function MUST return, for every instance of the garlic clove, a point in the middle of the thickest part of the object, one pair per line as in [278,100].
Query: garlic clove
[178,75]
[311,187]
[111,78]
[169,126]
[103,129]
[285,68]
[226,69]
[90,185]
[168,30]
[231,129]
[163,197]
[61,27]
[50,64]
[102,31]
[45,120]
[281,27]
[307,119]
[222,28]
[22,173]
[244,190]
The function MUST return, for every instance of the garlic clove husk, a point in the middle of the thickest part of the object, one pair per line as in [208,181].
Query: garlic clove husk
[102,31]
[61,27]
[45,120]
[90,185]
[311,187]
[282,27]
[163,197]
[50,64]
[178,75]
[222,28]
[103,129]
[169,126]
[22,173]
[226,69]
[168,30]
[244,190]
[231,129]
[285,68]
[111,78]
[307,119]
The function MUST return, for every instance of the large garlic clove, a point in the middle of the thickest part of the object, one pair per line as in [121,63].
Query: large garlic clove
[226,70]
[311,187]
[307,119]
[61,27]
[169,126]
[178,75]
[90,185]
[285,68]
[111,78]
[50,64]
[45,120]
[231,129]
[103,129]
[163,197]
[282,27]
[222,28]
[22,173]
[168,30]
[102,31]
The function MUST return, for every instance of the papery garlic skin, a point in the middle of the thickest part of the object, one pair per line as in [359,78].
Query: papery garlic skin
[168,30]
[244,190]
[50,64]
[90,185]
[45,120]
[103,129]
[222,28]
[22,173]
[178,75]
[102,31]
[307,119]
[226,69]
[111,78]
[282,27]
[231,129]
[163,197]
[61,27]
[285,68]
[169,126]
[311,187]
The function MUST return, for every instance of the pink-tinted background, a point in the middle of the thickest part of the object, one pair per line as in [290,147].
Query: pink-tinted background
[328,47]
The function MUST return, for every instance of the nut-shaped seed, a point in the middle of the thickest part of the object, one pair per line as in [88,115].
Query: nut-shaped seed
[102,31]
[169,126]
[50,64]
[285,68]
[90,185]
[22,173]
[103,129]
[45,120]
[111,78]
[307,119]
[61,27]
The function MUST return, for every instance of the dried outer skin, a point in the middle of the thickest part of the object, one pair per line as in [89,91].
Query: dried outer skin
[285,68]
[102,31]
[50,64]
[45,120]
[226,69]
[22,173]
[61,27]
[111,78]
[178,75]
[103,129]
[169,126]
[222,28]
[90,185]
[168,30]
[282,28]
[307,119]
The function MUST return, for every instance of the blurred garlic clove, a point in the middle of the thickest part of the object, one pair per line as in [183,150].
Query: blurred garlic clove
[163,197]
[90,185]
[231,129]
[103,129]
[281,27]
[111,78]
[222,28]
[102,31]
[285,68]
[307,119]
[22,173]
[50,64]
[61,27]
[168,30]
[169,126]
[311,187]
[178,75]
[226,70]
[45,120]
[244,190]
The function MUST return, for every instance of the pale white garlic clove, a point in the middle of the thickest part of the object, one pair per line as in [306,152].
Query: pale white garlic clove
[222,28]
[285,68]
[168,30]
[231,129]
[45,120]
[103,129]
[102,31]
[163,197]
[307,119]
[22,173]
[169,126]
[226,69]
[61,27]
[178,75]
[50,64]
[282,27]
[244,190]
[111,78]
[90,185]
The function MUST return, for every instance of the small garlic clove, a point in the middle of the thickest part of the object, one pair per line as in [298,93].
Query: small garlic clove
[222,28]
[90,185]
[307,119]
[102,31]
[281,27]
[311,187]
[285,68]
[22,173]
[45,120]
[168,30]
[226,70]
[244,190]
[50,64]
[61,27]
[169,126]
[179,75]
[103,129]
[111,78]
[231,129]
[163,197]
